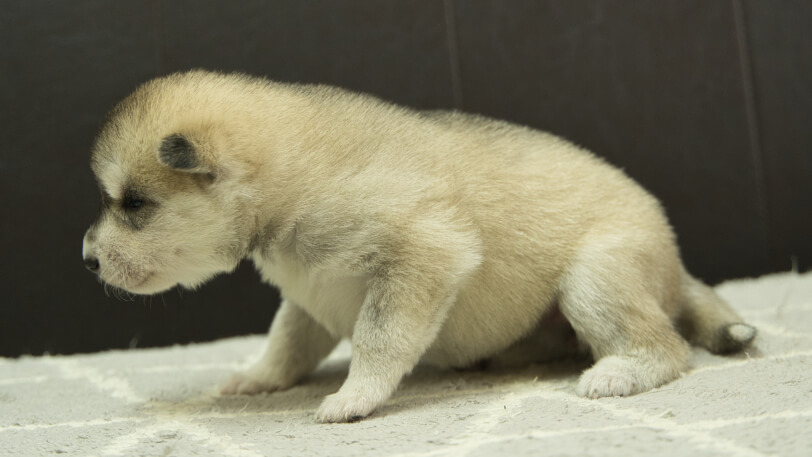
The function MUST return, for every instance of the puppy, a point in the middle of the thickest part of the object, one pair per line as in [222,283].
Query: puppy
[436,237]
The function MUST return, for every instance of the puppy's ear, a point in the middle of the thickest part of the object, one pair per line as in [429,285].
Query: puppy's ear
[180,153]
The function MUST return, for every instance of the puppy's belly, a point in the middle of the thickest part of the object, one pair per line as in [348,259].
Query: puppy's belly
[479,324]
[478,328]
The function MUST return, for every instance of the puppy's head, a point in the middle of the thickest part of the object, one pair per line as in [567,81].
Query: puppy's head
[169,211]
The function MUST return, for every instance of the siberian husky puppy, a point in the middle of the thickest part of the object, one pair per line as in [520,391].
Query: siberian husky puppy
[435,237]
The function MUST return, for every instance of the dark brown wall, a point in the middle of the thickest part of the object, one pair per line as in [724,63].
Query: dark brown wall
[706,102]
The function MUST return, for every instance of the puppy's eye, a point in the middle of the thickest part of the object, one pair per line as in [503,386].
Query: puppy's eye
[132,203]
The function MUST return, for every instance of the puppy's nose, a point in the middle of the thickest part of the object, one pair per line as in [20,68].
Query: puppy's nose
[92,264]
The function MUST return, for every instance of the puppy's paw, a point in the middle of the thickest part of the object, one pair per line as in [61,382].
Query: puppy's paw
[610,377]
[252,382]
[340,407]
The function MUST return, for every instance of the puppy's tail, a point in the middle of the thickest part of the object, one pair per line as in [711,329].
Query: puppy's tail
[709,321]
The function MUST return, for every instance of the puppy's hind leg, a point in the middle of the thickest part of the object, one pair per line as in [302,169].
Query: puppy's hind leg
[612,302]
[296,345]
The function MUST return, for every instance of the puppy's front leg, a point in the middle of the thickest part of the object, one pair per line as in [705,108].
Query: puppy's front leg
[398,321]
[296,345]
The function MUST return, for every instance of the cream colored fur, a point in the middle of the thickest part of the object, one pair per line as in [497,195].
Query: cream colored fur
[434,237]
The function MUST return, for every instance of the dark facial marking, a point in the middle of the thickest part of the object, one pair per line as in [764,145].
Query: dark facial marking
[177,152]
[134,209]
[132,201]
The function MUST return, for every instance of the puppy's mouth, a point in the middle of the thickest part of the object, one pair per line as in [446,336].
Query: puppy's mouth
[141,283]
[140,286]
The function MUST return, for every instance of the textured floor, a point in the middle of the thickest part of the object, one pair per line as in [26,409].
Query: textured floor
[161,402]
